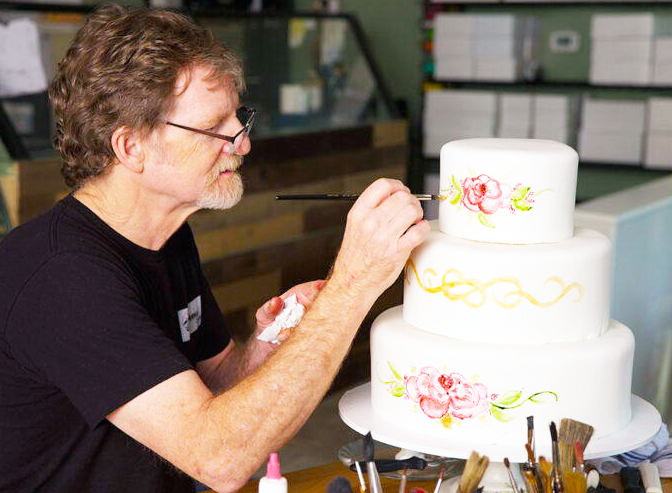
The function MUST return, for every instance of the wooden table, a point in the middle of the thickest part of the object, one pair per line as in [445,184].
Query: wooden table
[316,480]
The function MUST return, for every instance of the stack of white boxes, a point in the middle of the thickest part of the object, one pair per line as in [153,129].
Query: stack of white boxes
[515,115]
[662,61]
[612,131]
[485,47]
[659,137]
[455,114]
[622,48]
[553,118]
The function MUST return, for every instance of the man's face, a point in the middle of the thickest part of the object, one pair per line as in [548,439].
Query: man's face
[194,168]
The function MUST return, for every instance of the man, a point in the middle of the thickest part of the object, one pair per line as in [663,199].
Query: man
[111,342]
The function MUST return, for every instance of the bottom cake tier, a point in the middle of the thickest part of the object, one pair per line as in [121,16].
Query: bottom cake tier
[463,390]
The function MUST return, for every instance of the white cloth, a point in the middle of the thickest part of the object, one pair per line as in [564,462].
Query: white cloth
[289,317]
[658,451]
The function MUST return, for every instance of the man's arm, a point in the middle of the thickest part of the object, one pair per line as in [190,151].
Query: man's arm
[238,360]
[222,440]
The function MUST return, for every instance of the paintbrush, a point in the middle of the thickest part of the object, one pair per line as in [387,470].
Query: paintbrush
[530,435]
[556,474]
[533,468]
[545,470]
[402,483]
[574,479]
[571,431]
[374,479]
[473,472]
[439,481]
[344,196]
[512,479]
[362,483]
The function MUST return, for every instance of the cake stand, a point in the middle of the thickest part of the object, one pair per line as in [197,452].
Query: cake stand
[355,410]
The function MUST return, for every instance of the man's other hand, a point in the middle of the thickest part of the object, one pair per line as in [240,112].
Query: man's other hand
[305,294]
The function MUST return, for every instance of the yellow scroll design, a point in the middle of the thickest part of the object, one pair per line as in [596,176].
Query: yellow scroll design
[456,287]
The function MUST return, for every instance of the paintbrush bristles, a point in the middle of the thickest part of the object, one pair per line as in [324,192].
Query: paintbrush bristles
[572,431]
[512,479]
[473,472]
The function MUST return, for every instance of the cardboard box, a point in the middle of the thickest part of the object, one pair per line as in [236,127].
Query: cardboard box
[557,133]
[662,48]
[608,116]
[496,25]
[453,25]
[658,152]
[662,74]
[452,48]
[621,50]
[454,68]
[458,101]
[622,25]
[500,70]
[545,104]
[615,73]
[498,47]
[621,148]
[433,139]
[660,114]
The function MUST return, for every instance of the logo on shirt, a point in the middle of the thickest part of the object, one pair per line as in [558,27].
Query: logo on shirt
[190,318]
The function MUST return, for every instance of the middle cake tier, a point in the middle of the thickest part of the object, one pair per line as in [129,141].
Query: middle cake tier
[511,294]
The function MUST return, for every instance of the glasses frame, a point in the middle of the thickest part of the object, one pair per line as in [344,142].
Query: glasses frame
[243,131]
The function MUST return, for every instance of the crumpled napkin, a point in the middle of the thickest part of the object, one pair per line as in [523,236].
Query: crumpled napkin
[289,317]
[658,451]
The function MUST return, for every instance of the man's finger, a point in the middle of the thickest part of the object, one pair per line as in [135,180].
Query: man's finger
[377,192]
[268,311]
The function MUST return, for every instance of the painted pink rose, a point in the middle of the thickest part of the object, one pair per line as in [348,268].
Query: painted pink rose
[467,399]
[430,389]
[484,194]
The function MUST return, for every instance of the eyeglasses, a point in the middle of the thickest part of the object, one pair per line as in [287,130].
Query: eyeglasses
[243,114]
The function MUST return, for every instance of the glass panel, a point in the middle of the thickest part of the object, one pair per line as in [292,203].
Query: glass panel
[303,74]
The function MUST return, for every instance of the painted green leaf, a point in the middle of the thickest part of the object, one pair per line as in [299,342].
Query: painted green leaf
[522,205]
[484,220]
[458,188]
[500,415]
[544,397]
[397,390]
[394,372]
[519,194]
[509,398]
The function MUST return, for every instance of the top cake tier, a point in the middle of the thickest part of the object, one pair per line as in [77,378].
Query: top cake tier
[516,191]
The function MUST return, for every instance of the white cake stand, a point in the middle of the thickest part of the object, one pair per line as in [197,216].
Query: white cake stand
[355,410]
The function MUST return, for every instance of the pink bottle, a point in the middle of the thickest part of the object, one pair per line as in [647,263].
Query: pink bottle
[273,482]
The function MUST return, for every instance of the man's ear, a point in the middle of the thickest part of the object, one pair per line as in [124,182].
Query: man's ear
[129,148]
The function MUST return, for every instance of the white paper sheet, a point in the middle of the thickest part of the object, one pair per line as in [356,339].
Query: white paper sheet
[21,70]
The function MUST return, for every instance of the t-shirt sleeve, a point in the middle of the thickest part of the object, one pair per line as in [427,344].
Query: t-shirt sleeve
[80,324]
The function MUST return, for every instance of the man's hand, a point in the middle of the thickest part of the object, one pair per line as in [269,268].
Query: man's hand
[383,227]
[305,294]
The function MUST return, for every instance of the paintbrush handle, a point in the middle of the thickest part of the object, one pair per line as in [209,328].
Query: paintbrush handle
[343,196]
[391,465]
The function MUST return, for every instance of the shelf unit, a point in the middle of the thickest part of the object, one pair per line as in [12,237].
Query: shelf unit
[571,79]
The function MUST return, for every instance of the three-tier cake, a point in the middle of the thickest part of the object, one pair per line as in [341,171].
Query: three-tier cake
[506,306]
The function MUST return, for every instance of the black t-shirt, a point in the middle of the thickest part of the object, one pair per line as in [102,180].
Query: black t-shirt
[88,321]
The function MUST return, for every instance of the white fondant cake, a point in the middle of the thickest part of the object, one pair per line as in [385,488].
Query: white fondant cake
[472,390]
[506,307]
[508,190]
[511,294]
